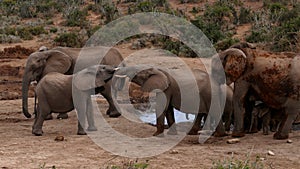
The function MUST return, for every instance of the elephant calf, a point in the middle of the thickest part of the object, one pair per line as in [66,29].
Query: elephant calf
[54,94]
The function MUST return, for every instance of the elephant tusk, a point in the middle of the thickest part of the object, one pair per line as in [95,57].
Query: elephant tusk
[121,76]
[117,68]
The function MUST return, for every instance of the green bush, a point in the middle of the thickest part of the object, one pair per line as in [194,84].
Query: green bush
[219,11]
[76,17]
[239,164]
[53,30]
[37,30]
[8,7]
[24,33]
[245,15]
[211,30]
[225,43]
[257,36]
[69,40]
[27,9]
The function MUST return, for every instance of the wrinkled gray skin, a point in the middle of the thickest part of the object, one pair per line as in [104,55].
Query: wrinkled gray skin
[270,118]
[62,60]
[227,113]
[54,94]
[275,78]
[152,78]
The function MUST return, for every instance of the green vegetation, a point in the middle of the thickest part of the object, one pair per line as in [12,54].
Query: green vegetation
[276,25]
[232,163]
[69,40]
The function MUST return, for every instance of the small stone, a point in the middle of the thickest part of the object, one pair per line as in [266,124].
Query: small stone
[59,138]
[271,153]
[174,152]
[262,159]
[233,141]
[289,141]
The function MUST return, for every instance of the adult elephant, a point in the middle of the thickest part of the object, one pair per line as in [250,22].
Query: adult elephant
[63,60]
[172,92]
[274,77]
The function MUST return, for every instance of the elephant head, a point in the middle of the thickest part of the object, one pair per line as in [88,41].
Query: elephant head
[233,63]
[148,78]
[39,64]
[93,77]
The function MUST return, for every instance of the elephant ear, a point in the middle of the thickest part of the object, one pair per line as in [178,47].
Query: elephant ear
[234,62]
[87,79]
[156,80]
[57,61]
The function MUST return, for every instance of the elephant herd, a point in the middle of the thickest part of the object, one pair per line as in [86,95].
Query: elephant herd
[262,89]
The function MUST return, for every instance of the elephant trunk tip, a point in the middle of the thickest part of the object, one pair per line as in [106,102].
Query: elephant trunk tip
[26,113]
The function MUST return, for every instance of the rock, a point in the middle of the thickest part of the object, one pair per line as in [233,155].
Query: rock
[43,48]
[233,141]
[174,152]
[289,141]
[271,153]
[59,138]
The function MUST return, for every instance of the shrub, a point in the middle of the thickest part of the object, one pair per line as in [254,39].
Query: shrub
[69,40]
[8,7]
[24,33]
[225,43]
[245,15]
[53,30]
[76,17]
[27,9]
[211,30]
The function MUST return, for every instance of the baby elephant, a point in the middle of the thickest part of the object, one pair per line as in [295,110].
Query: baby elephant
[54,94]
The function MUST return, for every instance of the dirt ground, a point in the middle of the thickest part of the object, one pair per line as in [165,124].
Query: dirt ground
[20,149]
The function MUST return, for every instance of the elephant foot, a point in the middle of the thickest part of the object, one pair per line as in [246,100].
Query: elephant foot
[62,116]
[237,134]
[218,134]
[80,132]
[92,128]
[159,134]
[114,114]
[49,117]
[37,132]
[280,136]
[265,132]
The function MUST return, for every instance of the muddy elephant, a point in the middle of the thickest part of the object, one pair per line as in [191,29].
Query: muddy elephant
[274,77]
[55,94]
[63,60]
[169,95]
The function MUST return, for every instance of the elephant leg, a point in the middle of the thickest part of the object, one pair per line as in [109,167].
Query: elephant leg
[80,130]
[266,123]
[81,115]
[254,121]
[286,124]
[227,120]
[196,125]
[220,130]
[239,96]
[43,110]
[161,104]
[106,93]
[171,121]
[90,115]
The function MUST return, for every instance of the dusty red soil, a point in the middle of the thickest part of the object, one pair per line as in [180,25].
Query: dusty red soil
[20,149]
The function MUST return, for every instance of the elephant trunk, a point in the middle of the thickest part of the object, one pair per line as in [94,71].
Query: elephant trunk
[25,87]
